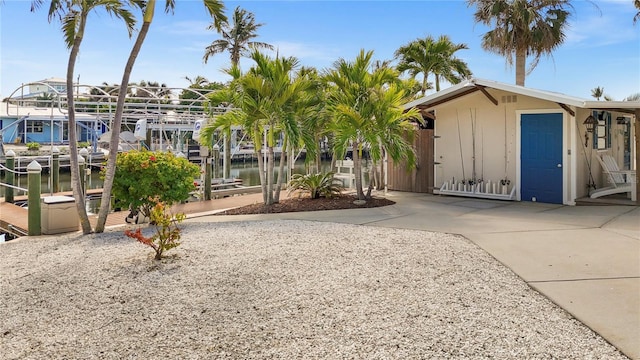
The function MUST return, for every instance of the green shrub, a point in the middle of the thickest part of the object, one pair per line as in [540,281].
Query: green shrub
[167,231]
[316,185]
[33,146]
[83,144]
[144,178]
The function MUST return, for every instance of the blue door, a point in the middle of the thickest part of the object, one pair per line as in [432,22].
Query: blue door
[541,158]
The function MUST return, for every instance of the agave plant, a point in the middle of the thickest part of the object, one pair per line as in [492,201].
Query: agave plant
[316,185]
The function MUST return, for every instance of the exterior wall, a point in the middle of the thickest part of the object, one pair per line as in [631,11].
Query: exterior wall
[496,137]
[9,135]
[59,85]
[12,131]
[583,155]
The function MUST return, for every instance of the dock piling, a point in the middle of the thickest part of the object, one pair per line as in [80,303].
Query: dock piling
[34,175]
[55,170]
[10,176]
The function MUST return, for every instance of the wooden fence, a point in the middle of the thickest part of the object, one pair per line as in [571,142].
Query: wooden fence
[420,179]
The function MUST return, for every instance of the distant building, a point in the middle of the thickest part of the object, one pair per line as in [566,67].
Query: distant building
[50,85]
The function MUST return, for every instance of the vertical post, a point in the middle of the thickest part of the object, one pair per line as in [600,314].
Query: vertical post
[81,167]
[204,156]
[34,176]
[207,177]
[55,170]
[226,164]
[10,176]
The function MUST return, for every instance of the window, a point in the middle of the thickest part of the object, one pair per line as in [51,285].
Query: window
[602,132]
[34,127]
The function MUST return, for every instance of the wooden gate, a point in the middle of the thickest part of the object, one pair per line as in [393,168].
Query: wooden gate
[420,179]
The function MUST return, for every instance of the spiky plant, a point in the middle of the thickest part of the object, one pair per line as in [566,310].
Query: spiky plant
[316,185]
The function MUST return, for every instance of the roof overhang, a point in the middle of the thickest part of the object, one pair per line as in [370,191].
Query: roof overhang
[564,101]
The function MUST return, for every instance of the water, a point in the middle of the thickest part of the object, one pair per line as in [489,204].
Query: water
[247,171]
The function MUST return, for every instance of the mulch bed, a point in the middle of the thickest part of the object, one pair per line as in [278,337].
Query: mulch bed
[308,204]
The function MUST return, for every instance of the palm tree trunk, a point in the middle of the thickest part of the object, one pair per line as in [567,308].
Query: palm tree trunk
[637,157]
[521,62]
[263,181]
[227,154]
[357,169]
[76,186]
[117,122]
[269,175]
[281,174]
[425,83]
[318,160]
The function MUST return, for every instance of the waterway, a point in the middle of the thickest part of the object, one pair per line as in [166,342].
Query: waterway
[248,172]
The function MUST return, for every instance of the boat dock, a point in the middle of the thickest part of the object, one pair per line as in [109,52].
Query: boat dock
[13,218]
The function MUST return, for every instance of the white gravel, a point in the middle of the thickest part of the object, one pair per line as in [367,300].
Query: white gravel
[280,289]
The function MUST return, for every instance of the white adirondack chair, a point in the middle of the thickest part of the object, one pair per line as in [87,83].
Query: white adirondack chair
[618,181]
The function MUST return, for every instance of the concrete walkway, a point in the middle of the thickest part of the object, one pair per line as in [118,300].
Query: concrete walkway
[586,259]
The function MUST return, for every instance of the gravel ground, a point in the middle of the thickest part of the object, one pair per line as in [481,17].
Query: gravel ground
[281,289]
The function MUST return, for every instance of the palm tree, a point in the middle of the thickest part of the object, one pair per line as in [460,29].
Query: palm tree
[393,130]
[195,94]
[522,28]
[354,99]
[636,3]
[426,56]
[73,15]
[198,82]
[274,94]
[597,92]
[264,102]
[215,8]
[633,97]
[237,40]
[314,117]
[236,37]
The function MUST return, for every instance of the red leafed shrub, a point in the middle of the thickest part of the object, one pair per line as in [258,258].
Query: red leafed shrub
[167,233]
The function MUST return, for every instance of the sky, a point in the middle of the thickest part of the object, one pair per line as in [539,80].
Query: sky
[602,45]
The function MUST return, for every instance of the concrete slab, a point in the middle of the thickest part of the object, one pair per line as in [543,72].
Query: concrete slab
[464,223]
[627,224]
[609,307]
[564,255]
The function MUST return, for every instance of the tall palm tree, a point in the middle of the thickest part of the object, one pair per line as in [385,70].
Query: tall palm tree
[264,102]
[392,128]
[447,66]
[428,55]
[197,82]
[314,117]
[273,93]
[73,15]
[237,39]
[522,28]
[597,92]
[633,97]
[353,100]
[215,8]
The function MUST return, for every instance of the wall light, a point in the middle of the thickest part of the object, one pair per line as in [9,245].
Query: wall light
[590,123]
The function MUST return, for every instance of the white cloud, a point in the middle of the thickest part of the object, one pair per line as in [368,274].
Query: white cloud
[593,27]
[312,54]
[191,28]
